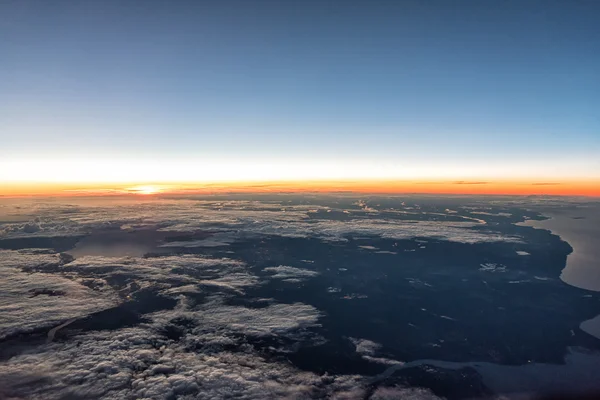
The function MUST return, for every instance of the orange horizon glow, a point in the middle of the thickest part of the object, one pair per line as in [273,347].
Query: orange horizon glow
[455,187]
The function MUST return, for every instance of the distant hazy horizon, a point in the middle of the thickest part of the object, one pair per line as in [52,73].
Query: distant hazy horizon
[391,187]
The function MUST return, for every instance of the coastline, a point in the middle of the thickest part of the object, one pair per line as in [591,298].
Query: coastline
[580,228]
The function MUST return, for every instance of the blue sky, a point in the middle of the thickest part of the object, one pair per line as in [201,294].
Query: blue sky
[404,85]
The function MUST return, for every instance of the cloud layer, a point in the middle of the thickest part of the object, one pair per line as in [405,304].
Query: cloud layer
[199,337]
[241,219]
[34,300]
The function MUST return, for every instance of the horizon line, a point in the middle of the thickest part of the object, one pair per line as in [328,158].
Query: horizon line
[583,188]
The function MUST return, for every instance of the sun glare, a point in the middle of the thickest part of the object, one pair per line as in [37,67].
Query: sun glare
[145,189]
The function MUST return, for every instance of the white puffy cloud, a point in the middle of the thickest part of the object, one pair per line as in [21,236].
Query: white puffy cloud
[288,273]
[274,319]
[35,300]
[368,350]
[136,363]
[492,267]
[167,271]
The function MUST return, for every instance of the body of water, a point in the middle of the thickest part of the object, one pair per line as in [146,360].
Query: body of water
[580,227]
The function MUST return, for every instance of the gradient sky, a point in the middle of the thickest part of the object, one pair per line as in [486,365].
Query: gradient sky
[238,90]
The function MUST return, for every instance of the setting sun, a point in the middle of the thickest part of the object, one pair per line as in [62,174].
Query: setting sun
[145,189]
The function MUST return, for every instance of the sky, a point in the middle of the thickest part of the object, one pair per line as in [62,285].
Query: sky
[221,91]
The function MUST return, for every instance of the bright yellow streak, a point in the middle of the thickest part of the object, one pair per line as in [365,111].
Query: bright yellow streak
[145,189]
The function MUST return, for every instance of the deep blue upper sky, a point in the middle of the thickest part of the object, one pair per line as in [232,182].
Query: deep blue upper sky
[437,84]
